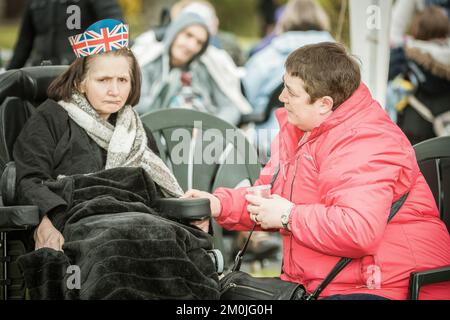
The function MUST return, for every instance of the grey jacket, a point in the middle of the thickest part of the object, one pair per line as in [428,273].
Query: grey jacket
[161,84]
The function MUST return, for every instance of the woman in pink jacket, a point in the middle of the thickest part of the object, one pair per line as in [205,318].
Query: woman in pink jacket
[343,163]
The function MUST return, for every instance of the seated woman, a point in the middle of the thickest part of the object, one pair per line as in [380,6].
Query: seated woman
[337,166]
[86,160]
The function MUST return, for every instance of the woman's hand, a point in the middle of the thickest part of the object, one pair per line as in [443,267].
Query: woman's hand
[47,236]
[267,212]
[216,207]
[202,225]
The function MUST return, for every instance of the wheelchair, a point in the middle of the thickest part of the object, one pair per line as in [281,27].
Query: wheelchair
[21,91]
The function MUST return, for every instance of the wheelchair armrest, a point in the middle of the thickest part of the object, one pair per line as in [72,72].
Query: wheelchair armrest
[16,218]
[13,218]
[184,209]
[419,279]
[8,183]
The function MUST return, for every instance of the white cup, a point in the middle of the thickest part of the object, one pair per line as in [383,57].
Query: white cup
[260,191]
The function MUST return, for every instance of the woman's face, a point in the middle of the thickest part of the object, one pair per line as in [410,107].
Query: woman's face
[107,84]
[300,111]
[188,43]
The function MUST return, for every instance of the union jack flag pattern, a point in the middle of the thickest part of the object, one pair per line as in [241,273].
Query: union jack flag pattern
[102,36]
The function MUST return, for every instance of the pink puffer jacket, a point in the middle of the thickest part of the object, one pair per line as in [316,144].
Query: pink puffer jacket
[343,180]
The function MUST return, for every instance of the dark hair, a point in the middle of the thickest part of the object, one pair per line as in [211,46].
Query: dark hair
[327,69]
[63,86]
[431,23]
[304,15]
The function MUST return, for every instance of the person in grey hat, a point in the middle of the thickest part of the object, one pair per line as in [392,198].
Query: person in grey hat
[183,71]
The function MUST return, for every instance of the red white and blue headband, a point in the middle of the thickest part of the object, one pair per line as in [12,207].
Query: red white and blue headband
[100,37]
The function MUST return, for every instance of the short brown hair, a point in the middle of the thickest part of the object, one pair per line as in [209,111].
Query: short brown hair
[431,23]
[63,86]
[304,15]
[327,69]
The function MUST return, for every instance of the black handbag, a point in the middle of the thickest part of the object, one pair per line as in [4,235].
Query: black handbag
[238,285]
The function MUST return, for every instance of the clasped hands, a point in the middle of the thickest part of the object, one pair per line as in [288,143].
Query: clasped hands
[266,212]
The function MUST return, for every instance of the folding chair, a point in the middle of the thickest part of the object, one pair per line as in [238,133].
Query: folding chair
[184,139]
[433,157]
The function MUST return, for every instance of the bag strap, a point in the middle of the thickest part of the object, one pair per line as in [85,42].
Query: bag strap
[345,261]
[240,254]
[275,175]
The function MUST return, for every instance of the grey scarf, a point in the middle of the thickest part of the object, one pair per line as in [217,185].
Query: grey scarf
[125,143]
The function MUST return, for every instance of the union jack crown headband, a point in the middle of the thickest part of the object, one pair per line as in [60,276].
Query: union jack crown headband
[103,36]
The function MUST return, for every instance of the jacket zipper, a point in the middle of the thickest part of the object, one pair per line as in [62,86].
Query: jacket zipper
[293,179]
[290,199]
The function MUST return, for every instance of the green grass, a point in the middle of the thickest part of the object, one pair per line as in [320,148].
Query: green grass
[267,273]
[8,35]
[270,269]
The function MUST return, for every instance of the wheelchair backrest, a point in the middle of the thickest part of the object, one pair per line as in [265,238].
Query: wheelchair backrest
[433,157]
[14,112]
[20,92]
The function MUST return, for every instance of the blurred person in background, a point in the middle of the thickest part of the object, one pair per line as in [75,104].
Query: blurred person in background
[185,71]
[218,38]
[403,13]
[45,29]
[424,64]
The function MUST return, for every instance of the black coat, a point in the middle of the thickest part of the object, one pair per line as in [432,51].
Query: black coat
[52,144]
[44,32]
